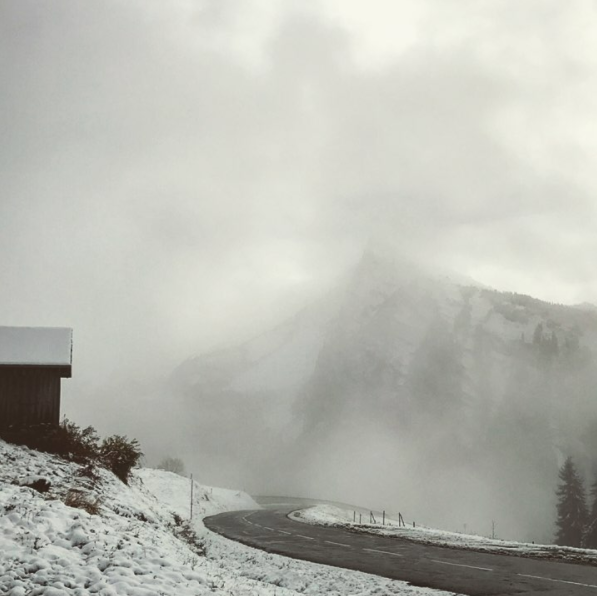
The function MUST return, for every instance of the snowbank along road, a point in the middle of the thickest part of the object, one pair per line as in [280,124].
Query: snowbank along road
[465,572]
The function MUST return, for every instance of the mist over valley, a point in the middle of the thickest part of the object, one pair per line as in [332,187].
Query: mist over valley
[402,390]
[329,249]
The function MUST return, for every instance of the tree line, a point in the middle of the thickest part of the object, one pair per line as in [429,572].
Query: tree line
[576,523]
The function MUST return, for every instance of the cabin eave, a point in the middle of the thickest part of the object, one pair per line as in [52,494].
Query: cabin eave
[62,370]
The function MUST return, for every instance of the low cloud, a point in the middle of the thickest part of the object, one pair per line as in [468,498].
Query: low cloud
[177,177]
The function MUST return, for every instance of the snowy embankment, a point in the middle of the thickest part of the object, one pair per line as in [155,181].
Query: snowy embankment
[137,543]
[329,515]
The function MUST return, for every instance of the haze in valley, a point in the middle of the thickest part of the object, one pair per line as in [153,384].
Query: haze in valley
[378,187]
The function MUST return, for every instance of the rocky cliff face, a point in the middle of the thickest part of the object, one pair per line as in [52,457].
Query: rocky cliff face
[405,390]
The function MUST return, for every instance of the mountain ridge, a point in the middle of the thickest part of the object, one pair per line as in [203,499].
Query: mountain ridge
[390,351]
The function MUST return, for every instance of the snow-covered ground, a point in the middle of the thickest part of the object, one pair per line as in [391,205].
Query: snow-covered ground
[331,515]
[138,544]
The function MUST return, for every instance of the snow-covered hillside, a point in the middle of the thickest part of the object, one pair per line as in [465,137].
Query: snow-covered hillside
[137,543]
[474,395]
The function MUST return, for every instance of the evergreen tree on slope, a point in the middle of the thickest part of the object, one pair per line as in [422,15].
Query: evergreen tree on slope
[572,507]
[591,535]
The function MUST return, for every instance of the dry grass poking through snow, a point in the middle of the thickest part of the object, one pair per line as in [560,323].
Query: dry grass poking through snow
[79,500]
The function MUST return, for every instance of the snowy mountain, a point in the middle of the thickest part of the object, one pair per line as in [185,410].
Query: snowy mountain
[404,389]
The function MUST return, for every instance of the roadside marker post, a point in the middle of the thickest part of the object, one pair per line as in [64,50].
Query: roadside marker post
[191,497]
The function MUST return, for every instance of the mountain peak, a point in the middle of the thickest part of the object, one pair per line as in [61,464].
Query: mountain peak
[383,260]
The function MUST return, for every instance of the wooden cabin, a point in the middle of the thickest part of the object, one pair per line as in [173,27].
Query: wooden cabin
[33,360]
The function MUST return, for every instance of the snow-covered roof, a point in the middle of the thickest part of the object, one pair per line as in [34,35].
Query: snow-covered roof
[37,346]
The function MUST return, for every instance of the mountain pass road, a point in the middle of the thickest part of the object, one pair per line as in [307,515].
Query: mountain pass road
[460,571]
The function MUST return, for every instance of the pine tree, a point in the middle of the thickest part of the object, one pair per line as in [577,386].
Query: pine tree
[591,535]
[572,507]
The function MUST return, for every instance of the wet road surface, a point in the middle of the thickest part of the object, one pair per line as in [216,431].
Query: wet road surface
[461,571]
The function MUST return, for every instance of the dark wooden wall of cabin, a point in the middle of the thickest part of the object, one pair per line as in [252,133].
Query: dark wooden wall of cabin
[29,396]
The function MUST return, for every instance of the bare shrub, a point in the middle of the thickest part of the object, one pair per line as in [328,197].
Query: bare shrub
[183,530]
[172,464]
[65,439]
[120,455]
[80,500]
[116,453]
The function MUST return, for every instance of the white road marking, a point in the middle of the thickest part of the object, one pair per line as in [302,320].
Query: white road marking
[283,532]
[385,552]
[307,537]
[270,529]
[561,581]
[337,543]
[460,565]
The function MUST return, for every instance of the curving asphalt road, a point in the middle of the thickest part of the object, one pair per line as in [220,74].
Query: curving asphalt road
[464,572]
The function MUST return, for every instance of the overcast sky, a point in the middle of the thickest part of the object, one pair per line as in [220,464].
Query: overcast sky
[178,174]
